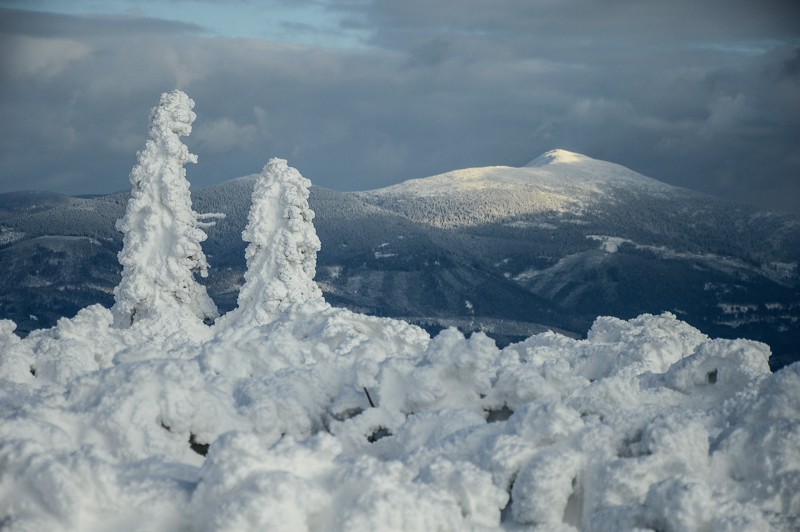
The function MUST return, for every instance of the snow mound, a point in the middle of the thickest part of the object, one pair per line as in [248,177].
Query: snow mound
[296,415]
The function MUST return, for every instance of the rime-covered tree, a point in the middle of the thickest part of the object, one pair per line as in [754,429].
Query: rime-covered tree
[161,248]
[282,250]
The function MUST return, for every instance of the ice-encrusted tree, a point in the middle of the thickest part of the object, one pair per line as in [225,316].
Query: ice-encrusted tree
[161,248]
[282,250]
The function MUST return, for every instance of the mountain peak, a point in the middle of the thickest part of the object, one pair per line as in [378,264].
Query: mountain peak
[558,156]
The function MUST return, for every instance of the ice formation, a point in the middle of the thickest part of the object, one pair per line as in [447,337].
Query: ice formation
[301,416]
[161,247]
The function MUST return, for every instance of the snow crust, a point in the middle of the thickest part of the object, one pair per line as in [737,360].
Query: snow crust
[296,415]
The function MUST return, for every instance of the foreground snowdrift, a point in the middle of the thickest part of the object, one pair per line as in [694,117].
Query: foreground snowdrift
[289,414]
[647,423]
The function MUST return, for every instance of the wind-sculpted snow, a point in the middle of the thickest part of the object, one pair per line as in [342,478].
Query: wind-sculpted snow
[325,419]
[161,248]
[282,251]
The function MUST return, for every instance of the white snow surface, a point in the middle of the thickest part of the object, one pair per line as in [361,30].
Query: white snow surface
[324,419]
[297,415]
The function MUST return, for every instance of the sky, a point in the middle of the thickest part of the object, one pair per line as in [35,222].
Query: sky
[360,94]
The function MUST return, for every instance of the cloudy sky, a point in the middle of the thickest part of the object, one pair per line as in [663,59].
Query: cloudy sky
[359,94]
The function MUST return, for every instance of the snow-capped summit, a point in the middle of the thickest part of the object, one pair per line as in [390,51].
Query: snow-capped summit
[555,169]
[558,181]
[558,156]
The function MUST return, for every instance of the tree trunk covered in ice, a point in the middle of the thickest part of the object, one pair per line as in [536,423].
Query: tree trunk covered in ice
[161,248]
[282,251]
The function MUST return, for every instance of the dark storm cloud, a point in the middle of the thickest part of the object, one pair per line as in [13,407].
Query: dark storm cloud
[20,22]
[564,21]
[703,96]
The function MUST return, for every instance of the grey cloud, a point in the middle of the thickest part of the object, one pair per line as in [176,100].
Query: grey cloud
[21,22]
[791,67]
[430,53]
[225,135]
[30,57]
[580,20]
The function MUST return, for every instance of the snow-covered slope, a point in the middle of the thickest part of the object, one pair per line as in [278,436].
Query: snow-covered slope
[558,181]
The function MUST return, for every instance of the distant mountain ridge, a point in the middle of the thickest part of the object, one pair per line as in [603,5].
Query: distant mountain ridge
[507,250]
[557,182]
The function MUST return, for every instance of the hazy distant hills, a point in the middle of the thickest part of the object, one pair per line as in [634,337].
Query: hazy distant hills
[506,250]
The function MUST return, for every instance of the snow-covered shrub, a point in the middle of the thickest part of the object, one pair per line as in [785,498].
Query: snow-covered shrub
[161,248]
[282,250]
